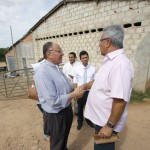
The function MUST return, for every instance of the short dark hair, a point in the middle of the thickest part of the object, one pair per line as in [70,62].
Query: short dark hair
[46,47]
[83,53]
[73,53]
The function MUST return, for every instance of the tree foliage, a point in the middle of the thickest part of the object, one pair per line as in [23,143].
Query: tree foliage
[2,56]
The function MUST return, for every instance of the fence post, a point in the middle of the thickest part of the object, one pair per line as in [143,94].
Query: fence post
[5,86]
[27,76]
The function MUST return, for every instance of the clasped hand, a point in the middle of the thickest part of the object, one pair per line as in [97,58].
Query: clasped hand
[79,92]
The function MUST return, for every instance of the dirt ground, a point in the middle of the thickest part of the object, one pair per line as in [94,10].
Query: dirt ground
[21,128]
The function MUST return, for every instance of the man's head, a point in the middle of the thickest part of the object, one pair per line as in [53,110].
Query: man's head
[84,57]
[53,53]
[111,39]
[72,57]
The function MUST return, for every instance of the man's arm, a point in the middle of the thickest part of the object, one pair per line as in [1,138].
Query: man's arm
[87,85]
[117,110]
[118,107]
[76,94]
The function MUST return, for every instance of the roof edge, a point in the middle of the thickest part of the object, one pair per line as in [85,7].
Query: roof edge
[61,3]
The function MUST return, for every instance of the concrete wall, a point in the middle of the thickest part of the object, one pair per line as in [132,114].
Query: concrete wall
[23,50]
[77,26]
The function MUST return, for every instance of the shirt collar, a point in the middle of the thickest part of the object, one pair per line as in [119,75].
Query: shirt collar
[113,54]
[86,66]
[72,64]
[51,64]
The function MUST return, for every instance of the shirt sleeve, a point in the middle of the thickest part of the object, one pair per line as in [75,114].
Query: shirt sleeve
[121,81]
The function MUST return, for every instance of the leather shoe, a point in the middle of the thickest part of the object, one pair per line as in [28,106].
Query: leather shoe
[76,113]
[79,126]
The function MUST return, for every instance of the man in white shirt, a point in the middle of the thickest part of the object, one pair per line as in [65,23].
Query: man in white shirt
[83,74]
[110,93]
[68,71]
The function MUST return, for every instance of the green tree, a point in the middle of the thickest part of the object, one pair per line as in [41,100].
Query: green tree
[2,56]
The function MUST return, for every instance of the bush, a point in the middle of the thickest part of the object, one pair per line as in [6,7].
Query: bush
[139,96]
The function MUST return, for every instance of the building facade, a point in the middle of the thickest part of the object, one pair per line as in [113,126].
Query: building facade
[21,55]
[77,25]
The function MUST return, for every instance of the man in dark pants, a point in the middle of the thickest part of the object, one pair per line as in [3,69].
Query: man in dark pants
[81,103]
[55,94]
[82,74]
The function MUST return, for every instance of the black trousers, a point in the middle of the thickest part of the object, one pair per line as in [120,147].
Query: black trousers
[81,103]
[58,125]
[44,127]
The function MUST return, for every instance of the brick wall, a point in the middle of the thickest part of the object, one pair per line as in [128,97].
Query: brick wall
[77,26]
[23,49]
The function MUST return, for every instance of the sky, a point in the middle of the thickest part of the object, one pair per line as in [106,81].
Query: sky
[21,15]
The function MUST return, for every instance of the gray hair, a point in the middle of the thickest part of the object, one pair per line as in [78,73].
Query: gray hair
[115,33]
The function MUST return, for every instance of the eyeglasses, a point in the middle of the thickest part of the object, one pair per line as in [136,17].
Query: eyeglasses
[103,39]
[58,51]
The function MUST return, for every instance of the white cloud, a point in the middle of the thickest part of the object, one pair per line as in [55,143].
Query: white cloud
[21,15]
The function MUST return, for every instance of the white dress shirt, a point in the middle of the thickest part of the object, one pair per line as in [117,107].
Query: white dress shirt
[113,80]
[68,68]
[78,74]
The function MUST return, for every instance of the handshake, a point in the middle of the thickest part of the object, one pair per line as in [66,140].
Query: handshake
[78,92]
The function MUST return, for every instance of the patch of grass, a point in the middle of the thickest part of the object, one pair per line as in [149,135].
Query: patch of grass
[139,96]
[147,93]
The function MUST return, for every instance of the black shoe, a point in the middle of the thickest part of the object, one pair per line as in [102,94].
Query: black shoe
[76,113]
[79,126]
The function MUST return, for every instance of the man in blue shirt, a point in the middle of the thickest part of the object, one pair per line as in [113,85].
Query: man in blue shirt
[55,94]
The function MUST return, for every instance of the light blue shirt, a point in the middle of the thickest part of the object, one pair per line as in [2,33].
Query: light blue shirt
[53,87]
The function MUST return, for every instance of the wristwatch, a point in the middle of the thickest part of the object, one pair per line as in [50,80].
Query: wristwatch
[110,125]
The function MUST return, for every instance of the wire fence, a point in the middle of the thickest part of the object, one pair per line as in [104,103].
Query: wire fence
[15,83]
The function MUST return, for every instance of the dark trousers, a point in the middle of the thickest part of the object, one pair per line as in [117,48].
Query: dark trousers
[40,108]
[107,146]
[58,125]
[81,103]
[44,127]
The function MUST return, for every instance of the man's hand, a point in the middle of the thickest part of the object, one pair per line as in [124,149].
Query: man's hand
[105,132]
[79,93]
[82,87]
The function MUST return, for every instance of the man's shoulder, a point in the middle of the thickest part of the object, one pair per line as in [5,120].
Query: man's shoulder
[92,67]
[66,65]
[78,66]
[77,63]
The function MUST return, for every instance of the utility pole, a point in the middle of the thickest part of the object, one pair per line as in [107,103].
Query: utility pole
[13,47]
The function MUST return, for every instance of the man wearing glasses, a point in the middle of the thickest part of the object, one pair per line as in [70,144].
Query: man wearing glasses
[110,93]
[55,93]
